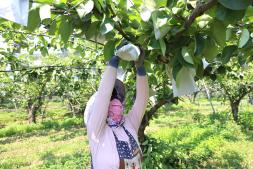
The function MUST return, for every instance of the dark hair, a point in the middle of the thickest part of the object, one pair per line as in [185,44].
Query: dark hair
[118,91]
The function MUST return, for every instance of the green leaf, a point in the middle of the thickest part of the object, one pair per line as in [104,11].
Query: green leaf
[137,3]
[187,55]
[181,3]
[218,30]
[59,4]
[122,4]
[109,36]
[228,16]
[182,60]
[227,53]
[148,66]
[75,2]
[45,1]
[249,11]
[228,34]
[244,38]
[235,4]
[199,44]
[84,9]
[203,20]
[98,6]
[211,49]
[161,3]
[199,69]
[33,19]
[92,30]
[176,68]
[106,25]
[161,28]
[53,27]
[65,29]
[153,44]
[109,49]
[162,46]
[44,51]
[62,1]
[153,79]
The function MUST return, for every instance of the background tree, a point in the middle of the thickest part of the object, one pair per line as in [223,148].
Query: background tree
[237,82]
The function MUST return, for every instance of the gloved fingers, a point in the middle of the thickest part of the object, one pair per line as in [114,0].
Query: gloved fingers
[141,59]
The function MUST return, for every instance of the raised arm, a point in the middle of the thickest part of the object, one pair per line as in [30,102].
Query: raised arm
[142,94]
[97,119]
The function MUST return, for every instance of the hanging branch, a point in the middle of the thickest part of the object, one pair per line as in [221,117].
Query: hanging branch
[198,11]
[118,26]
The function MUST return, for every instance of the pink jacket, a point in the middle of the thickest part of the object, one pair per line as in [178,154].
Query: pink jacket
[100,135]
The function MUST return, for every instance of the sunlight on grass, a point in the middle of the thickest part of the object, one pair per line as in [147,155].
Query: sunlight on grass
[195,134]
[34,149]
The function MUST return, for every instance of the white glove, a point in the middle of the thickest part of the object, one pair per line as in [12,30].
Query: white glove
[128,52]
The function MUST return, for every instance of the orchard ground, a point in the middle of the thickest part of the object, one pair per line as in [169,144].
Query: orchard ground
[186,135]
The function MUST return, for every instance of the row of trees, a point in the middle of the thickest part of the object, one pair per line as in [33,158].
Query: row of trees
[29,87]
[175,34]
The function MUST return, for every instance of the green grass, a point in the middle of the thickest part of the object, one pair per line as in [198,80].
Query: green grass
[57,141]
[53,111]
[206,146]
[15,129]
[186,135]
[10,116]
[46,149]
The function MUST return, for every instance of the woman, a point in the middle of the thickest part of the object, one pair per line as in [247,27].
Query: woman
[113,136]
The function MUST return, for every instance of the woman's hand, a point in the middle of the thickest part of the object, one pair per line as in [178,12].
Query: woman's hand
[140,61]
[139,64]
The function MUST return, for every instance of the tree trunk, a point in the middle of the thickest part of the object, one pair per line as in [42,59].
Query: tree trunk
[235,109]
[34,104]
[33,107]
[31,114]
[150,114]
[195,96]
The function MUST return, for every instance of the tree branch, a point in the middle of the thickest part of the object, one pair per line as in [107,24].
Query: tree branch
[226,91]
[247,92]
[118,26]
[198,11]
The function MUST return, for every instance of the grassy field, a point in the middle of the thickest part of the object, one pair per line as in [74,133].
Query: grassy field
[195,138]
[186,135]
